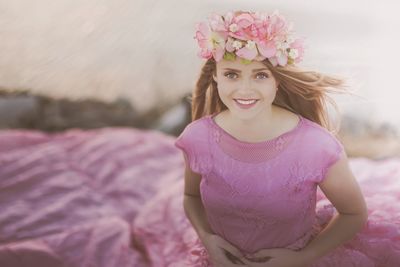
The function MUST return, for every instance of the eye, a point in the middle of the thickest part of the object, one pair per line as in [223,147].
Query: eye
[262,75]
[231,75]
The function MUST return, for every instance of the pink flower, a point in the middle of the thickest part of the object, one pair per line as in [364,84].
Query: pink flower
[277,26]
[246,53]
[218,46]
[273,61]
[218,24]
[298,44]
[230,44]
[249,35]
[266,48]
[243,23]
[244,20]
[211,43]
[281,57]
[202,35]
[249,51]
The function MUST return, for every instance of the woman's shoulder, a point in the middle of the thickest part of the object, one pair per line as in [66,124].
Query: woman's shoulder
[195,130]
[194,142]
[319,136]
[197,125]
[199,120]
[315,128]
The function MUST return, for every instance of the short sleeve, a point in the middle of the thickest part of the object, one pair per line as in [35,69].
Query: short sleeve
[193,141]
[331,150]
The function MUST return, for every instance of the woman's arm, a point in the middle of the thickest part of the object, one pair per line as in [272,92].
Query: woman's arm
[192,204]
[194,210]
[221,252]
[343,191]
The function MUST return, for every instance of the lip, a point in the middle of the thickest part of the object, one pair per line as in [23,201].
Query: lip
[244,106]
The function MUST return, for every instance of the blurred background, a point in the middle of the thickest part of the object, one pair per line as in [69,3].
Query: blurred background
[95,63]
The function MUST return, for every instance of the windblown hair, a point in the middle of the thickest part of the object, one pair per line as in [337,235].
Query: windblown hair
[300,91]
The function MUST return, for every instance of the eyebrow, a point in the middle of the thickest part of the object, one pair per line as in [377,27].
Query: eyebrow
[255,70]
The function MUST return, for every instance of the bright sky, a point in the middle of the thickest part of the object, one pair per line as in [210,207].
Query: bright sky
[95,50]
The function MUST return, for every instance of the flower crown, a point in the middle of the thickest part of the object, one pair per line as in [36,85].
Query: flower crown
[250,36]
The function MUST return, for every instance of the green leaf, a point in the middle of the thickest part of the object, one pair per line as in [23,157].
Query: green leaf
[229,56]
[245,61]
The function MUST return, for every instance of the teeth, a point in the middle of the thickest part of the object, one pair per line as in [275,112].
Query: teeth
[245,102]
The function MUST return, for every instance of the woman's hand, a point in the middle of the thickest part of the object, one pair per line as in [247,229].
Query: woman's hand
[221,252]
[277,257]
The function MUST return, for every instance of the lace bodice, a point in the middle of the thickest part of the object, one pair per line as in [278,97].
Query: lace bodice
[260,195]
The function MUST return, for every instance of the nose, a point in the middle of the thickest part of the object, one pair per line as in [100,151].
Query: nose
[245,84]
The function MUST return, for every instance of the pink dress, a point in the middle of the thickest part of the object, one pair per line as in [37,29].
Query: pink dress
[264,194]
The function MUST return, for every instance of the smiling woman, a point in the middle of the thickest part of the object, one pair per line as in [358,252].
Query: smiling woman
[233,74]
[250,176]
[246,90]
[259,145]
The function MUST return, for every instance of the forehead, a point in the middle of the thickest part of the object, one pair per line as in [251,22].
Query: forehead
[238,65]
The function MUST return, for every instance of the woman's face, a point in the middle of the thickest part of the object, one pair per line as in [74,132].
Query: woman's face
[248,82]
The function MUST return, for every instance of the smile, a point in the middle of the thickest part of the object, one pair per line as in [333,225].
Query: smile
[246,103]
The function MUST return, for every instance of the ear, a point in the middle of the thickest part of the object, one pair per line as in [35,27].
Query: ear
[214,78]
[277,85]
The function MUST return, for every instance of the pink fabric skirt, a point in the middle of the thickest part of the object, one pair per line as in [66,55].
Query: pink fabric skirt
[168,238]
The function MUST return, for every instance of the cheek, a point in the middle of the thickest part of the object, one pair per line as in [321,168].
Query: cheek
[225,89]
[270,93]
[269,96]
[225,95]
[268,89]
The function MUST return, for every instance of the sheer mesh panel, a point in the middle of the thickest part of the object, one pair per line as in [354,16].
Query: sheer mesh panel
[254,152]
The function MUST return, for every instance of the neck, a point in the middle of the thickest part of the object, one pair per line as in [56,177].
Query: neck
[254,128]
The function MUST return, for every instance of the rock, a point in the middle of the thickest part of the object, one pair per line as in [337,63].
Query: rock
[25,110]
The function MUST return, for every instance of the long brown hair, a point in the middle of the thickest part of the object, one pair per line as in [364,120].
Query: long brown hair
[300,91]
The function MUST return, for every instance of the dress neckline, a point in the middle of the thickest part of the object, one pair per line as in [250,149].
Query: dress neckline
[210,118]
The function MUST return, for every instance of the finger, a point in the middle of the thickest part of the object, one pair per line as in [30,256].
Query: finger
[257,264]
[233,258]
[230,256]
[263,253]
[247,262]
[232,249]
[259,259]
[237,256]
